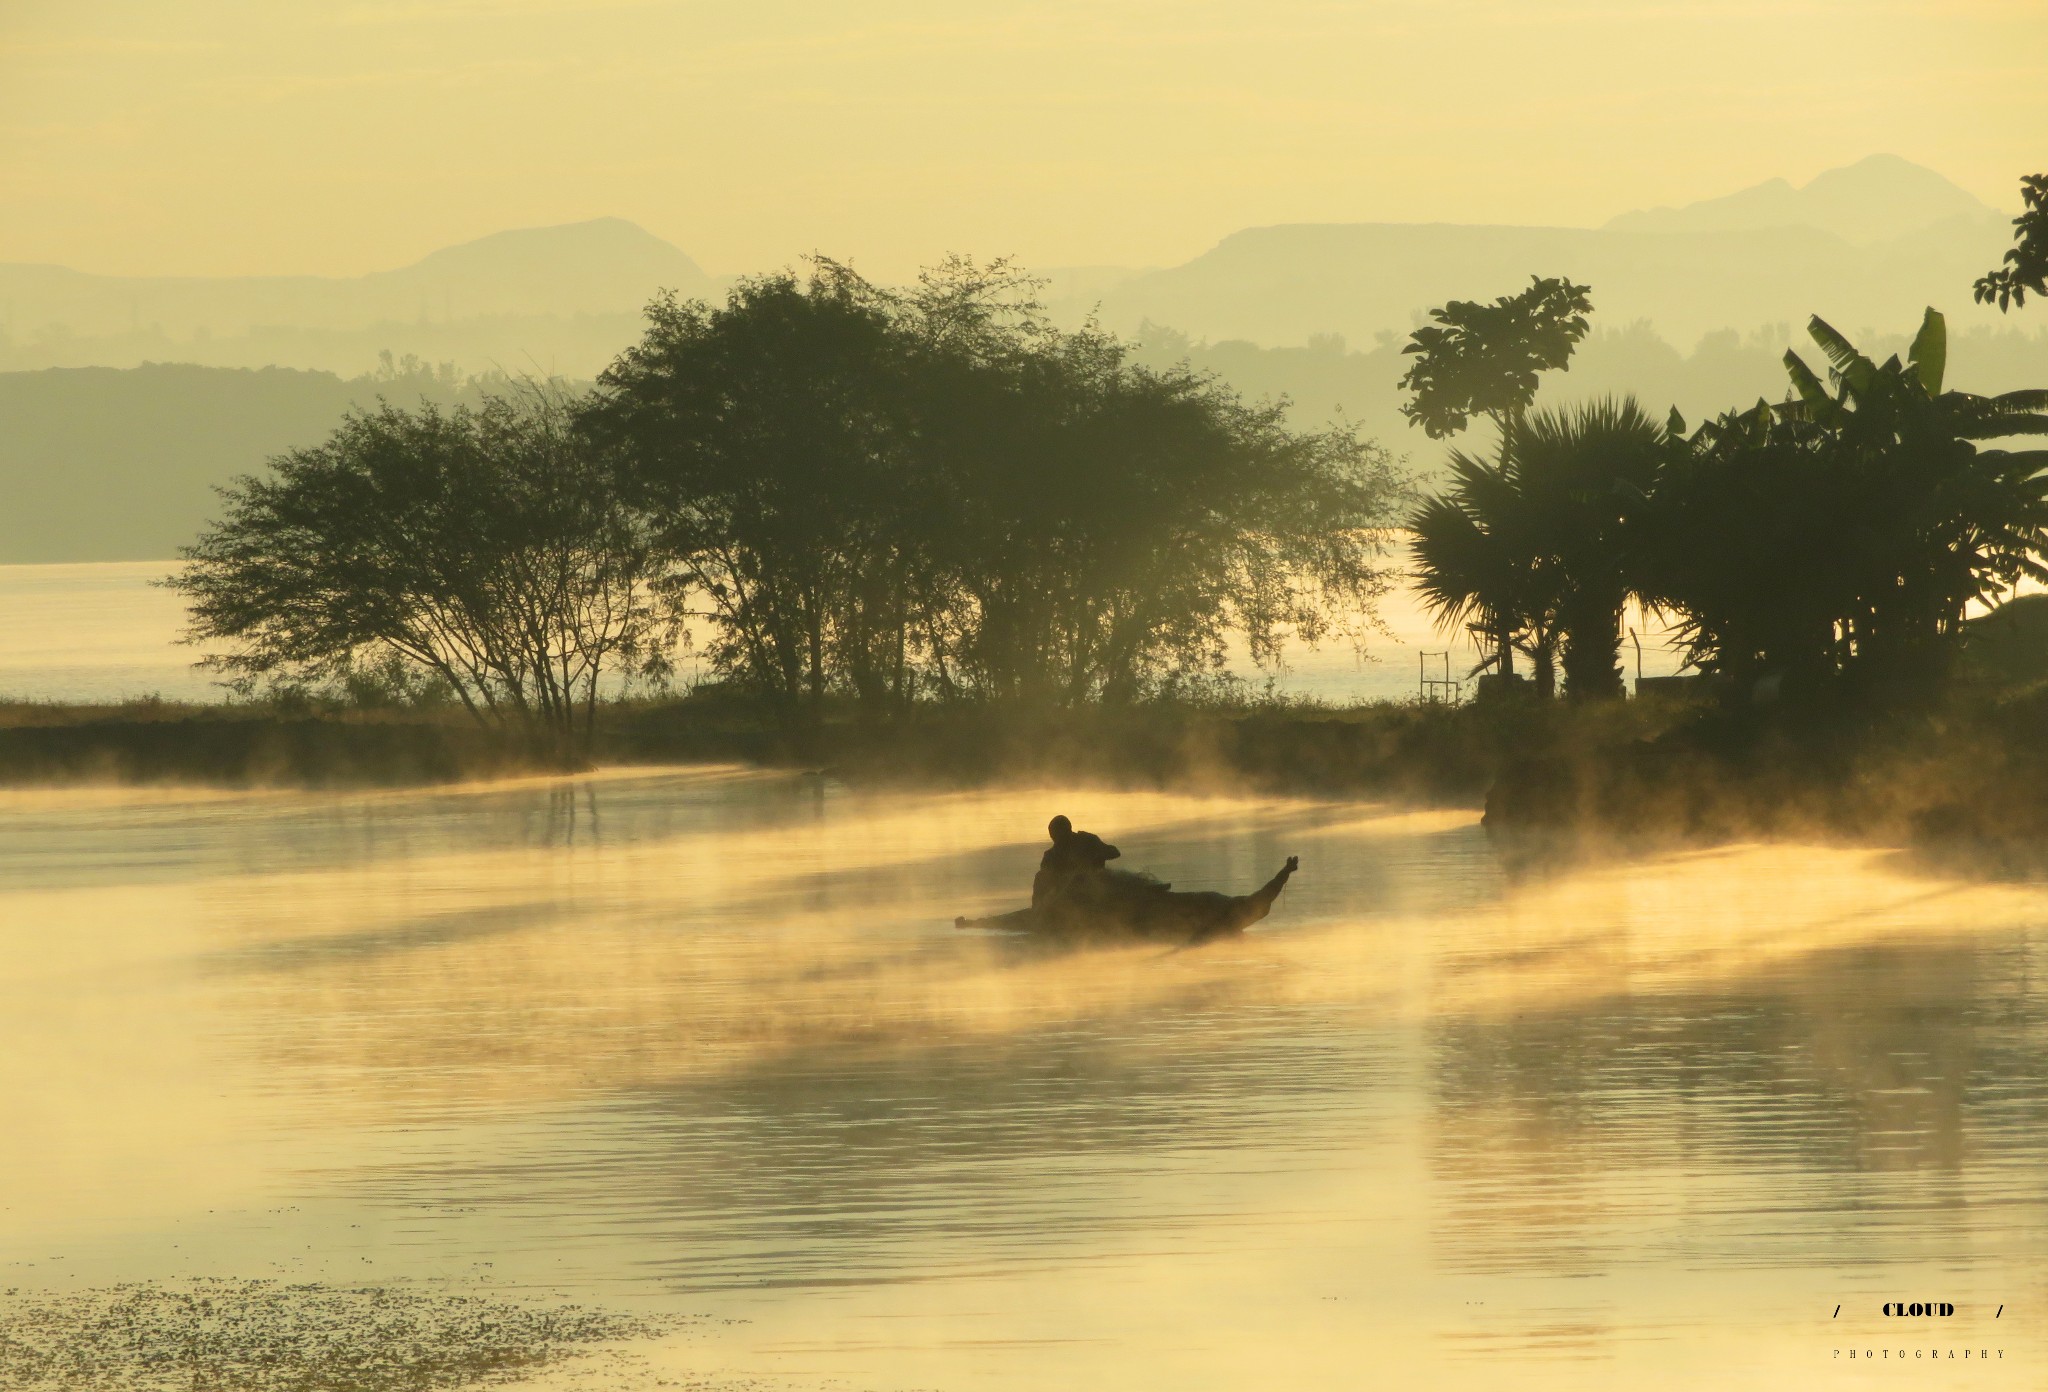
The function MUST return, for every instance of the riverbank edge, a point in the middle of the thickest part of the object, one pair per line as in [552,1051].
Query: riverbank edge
[1968,774]
[1416,753]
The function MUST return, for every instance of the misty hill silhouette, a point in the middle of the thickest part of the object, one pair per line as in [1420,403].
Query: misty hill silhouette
[606,266]
[111,464]
[104,464]
[1755,258]
[1875,199]
[1866,246]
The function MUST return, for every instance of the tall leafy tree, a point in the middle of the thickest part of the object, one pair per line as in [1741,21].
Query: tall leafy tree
[1750,546]
[1484,359]
[887,493]
[1476,565]
[1585,473]
[760,439]
[1954,523]
[1116,525]
[487,546]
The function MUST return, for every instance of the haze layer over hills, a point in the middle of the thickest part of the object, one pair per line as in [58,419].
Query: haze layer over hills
[1767,255]
[607,266]
[1866,246]
[1878,199]
[546,298]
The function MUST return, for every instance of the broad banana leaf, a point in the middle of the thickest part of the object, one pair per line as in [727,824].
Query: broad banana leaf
[1929,353]
[1849,365]
[1805,383]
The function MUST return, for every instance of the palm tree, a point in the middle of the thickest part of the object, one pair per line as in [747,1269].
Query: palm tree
[1474,567]
[1533,549]
[1585,473]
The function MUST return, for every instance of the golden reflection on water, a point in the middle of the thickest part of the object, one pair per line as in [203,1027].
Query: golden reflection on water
[709,1036]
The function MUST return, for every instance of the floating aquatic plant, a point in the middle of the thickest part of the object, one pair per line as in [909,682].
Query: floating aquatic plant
[270,1336]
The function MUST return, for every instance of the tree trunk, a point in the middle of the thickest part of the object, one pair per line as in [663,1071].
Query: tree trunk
[1592,649]
[1544,659]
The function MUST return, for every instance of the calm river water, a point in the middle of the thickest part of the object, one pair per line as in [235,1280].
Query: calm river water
[705,1041]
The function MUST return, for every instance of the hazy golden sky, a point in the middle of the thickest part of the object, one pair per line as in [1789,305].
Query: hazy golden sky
[339,136]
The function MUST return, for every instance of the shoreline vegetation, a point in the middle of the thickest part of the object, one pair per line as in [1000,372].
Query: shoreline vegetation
[1965,774]
[921,534]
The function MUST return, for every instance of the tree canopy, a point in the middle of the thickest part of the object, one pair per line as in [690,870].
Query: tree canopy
[1842,533]
[1483,359]
[486,546]
[1847,530]
[888,495]
[2026,261]
[1535,547]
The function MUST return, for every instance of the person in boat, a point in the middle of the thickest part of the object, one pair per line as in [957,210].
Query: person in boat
[1072,854]
[1076,892]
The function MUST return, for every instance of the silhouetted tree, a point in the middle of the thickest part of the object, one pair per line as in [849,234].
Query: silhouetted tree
[487,546]
[1116,524]
[1483,359]
[1753,547]
[2026,262]
[1477,564]
[762,439]
[1585,474]
[1537,546]
[884,493]
[1848,529]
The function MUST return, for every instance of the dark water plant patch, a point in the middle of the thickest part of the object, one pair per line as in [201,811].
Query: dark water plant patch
[269,1336]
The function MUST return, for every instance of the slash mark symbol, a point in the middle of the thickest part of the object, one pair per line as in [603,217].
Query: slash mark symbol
[1838,1312]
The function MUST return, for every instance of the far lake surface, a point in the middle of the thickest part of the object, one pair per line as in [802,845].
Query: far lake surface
[103,631]
[705,1041]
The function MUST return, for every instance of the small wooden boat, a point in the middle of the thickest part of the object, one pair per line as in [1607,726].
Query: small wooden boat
[1117,903]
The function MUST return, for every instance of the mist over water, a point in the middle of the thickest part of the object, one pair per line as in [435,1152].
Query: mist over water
[705,1041]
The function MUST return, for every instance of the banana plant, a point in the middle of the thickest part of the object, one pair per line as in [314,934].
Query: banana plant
[1885,510]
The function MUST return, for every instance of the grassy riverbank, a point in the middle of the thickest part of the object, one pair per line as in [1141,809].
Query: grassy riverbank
[1968,772]
[1434,754]
[154,742]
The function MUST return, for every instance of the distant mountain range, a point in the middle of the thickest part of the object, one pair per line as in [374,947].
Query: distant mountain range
[1876,199]
[1866,246]
[105,464]
[605,267]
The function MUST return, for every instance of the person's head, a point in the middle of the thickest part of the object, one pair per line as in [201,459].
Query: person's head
[1060,828]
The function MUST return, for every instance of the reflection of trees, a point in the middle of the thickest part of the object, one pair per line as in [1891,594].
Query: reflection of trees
[1859,1081]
